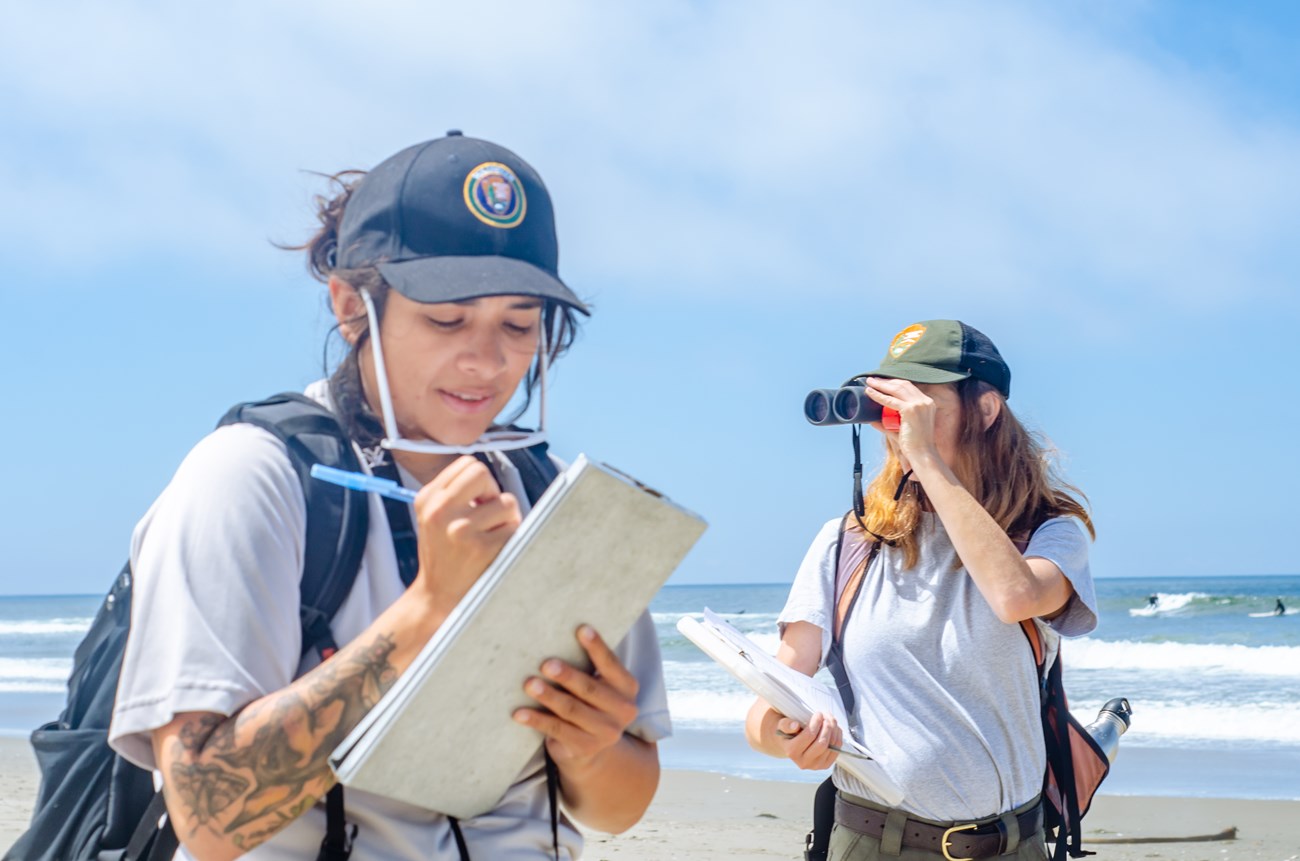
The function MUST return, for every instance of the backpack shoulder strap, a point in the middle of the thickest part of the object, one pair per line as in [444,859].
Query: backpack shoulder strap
[337,518]
[845,601]
[843,608]
[1030,627]
[818,840]
[536,469]
[338,521]
[1035,642]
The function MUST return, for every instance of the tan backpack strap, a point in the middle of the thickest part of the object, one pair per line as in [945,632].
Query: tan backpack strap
[843,606]
[1030,628]
[848,595]
[1035,642]
[845,600]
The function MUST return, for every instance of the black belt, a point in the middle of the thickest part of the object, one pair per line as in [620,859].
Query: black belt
[958,842]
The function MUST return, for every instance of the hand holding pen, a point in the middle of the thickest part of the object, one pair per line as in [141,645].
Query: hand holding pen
[462,519]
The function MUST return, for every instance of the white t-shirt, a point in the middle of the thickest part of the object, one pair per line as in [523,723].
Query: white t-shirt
[946,693]
[217,562]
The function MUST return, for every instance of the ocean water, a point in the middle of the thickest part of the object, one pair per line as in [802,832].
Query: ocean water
[1215,687]
[1214,681]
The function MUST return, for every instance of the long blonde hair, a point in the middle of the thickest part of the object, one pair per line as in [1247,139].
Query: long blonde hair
[1005,467]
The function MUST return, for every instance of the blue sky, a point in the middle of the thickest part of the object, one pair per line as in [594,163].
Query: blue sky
[754,196]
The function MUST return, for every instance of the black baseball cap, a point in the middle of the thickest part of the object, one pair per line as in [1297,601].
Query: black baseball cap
[944,351]
[455,218]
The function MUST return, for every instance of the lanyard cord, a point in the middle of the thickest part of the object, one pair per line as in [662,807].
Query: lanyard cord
[858,507]
[902,485]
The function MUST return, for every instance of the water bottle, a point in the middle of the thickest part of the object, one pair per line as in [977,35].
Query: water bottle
[1111,722]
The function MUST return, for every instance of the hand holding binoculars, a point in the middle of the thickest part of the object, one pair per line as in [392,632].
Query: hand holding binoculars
[847,405]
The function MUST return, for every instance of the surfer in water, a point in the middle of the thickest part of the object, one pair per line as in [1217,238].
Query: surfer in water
[1151,601]
[1280,609]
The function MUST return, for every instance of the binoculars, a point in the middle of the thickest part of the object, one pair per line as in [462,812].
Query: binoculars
[847,405]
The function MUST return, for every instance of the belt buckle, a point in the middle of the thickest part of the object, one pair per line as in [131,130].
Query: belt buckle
[945,843]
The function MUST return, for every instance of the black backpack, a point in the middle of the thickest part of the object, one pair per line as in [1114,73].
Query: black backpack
[92,804]
[1076,764]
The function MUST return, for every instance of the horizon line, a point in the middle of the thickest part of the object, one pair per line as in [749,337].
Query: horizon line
[751,583]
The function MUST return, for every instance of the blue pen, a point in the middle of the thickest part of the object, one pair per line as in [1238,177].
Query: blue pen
[361,481]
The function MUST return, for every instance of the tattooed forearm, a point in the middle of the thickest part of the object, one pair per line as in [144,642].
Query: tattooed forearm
[196,733]
[206,790]
[252,774]
[246,841]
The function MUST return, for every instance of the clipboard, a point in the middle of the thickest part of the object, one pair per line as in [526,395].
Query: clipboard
[594,550]
[788,691]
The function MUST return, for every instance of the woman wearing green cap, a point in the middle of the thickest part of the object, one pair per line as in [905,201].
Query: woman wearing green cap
[963,533]
[441,265]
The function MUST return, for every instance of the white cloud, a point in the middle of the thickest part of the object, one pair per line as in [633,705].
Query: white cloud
[728,147]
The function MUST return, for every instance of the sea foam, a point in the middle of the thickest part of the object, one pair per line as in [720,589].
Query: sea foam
[1088,653]
[34,675]
[45,626]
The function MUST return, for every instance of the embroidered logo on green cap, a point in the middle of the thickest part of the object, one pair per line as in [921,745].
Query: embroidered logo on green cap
[495,196]
[905,340]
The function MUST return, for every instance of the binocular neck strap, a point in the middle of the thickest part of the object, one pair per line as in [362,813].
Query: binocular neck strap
[858,507]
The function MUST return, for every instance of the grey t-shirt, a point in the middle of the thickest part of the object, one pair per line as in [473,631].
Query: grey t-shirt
[217,563]
[947,696]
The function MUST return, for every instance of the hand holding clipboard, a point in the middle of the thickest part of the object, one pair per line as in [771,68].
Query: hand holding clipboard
[787,690]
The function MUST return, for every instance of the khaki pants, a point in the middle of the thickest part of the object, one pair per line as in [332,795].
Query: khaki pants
[849,845]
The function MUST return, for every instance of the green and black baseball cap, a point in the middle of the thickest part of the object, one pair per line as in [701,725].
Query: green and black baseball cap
[452,219]
[944,351]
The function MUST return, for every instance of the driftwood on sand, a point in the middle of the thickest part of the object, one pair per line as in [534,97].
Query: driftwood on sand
[1225,834]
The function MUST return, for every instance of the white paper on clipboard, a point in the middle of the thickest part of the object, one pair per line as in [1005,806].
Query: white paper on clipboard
[787,690]
[593,550]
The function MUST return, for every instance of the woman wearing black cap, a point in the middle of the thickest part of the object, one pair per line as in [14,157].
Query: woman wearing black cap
[963,534]
[441,265]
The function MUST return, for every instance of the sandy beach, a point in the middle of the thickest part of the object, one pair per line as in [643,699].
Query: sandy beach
[704,815]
